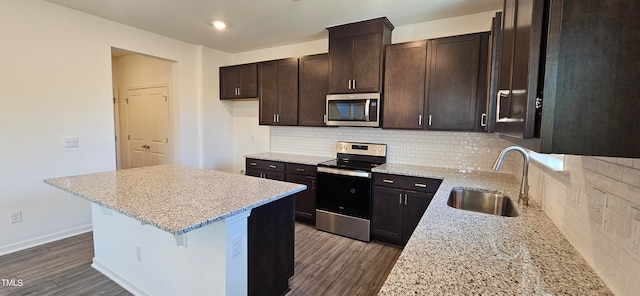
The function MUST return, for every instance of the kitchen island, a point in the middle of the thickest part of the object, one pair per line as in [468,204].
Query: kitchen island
[174,230]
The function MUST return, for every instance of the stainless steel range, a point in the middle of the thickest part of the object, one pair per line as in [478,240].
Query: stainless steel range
[343,204]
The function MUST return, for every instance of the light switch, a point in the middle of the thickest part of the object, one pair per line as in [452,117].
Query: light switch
[70,142]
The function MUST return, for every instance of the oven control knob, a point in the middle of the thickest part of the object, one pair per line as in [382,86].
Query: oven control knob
[374,148]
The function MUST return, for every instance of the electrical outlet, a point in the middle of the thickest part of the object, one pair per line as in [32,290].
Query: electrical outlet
[15,217]
[70,142]
[138,254]
[236,246]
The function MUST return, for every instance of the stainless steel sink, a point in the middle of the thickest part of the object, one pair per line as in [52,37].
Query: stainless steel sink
[483,202]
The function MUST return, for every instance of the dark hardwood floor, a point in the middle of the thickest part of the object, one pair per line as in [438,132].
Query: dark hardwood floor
[328,264]
[325,264]
[59,268]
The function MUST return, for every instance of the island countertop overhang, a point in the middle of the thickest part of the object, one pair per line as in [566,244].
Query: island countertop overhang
[176,199]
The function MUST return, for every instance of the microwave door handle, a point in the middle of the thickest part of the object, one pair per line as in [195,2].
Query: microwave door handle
[366,109]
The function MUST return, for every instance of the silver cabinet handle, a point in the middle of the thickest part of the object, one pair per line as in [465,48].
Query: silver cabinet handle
[349,83]
[405,199]
[273,166]
[420,185]
[400,200]
[429,119]
[238,91]
[324,118]
[420,119]
[278,117]
[253,164]
[274,118]
[354,84]
[300,170]
[483,119]
[387,181]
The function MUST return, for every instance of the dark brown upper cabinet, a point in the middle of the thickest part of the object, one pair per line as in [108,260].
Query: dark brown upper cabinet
[356,55]
[314,87]
[519,67]
[438,84]
[238,82]
[457,67]
[404,85]
[278,92]
[572,83]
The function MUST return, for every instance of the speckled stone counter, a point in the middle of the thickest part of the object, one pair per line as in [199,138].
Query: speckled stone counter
[291,158]
[456,252]
[174,198]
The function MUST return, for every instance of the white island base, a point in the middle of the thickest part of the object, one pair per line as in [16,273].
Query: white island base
[211,260]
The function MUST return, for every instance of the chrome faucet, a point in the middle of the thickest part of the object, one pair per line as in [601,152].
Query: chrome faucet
[524,185]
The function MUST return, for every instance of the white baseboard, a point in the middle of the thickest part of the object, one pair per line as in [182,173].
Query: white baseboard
[120,280]
[30,243]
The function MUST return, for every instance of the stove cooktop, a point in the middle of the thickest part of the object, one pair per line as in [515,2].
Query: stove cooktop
[348,164]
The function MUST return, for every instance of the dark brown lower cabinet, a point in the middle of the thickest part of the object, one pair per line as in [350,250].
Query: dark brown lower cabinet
[273,170]
[396,213]
[398,205]
[271,232]
[305,200]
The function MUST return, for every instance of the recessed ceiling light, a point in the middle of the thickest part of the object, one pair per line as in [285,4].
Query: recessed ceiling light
[219,25]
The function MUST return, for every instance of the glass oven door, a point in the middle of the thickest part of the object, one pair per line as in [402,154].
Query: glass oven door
[346,192]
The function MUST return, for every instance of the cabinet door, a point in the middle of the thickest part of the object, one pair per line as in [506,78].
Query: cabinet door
[405,70]
[270,247]
[253,172]
[367,63]
[341,65]
[268,92]
[386,218]
[506,46]
[416,205]
[274,176]
[305,200]
[229,82]
[526,65]
[314,87]
[287,92]
[453,82]
[248,87]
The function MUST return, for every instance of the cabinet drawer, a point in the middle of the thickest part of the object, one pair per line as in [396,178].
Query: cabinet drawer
[407,182]
[265,165]
[301,169]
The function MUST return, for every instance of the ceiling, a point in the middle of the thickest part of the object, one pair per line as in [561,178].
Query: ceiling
[257,24]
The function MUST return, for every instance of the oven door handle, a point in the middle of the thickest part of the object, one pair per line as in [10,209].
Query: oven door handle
[351,173]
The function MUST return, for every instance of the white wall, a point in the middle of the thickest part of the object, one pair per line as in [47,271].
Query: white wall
[55,81]
[245,123]
[217,115]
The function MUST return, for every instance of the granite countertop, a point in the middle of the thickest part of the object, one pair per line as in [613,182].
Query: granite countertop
[456,252]
[291,158]
[176,199]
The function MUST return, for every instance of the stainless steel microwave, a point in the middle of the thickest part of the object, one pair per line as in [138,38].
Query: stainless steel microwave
[353,110]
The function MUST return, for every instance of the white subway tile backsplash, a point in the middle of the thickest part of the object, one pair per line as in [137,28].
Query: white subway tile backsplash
[624,161]
[605,226]
[631,176]
[459,150]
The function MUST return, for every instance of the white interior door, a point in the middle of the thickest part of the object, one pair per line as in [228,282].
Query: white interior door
[148,118]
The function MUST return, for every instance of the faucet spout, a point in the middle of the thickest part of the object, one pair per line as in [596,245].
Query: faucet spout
[524,185]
